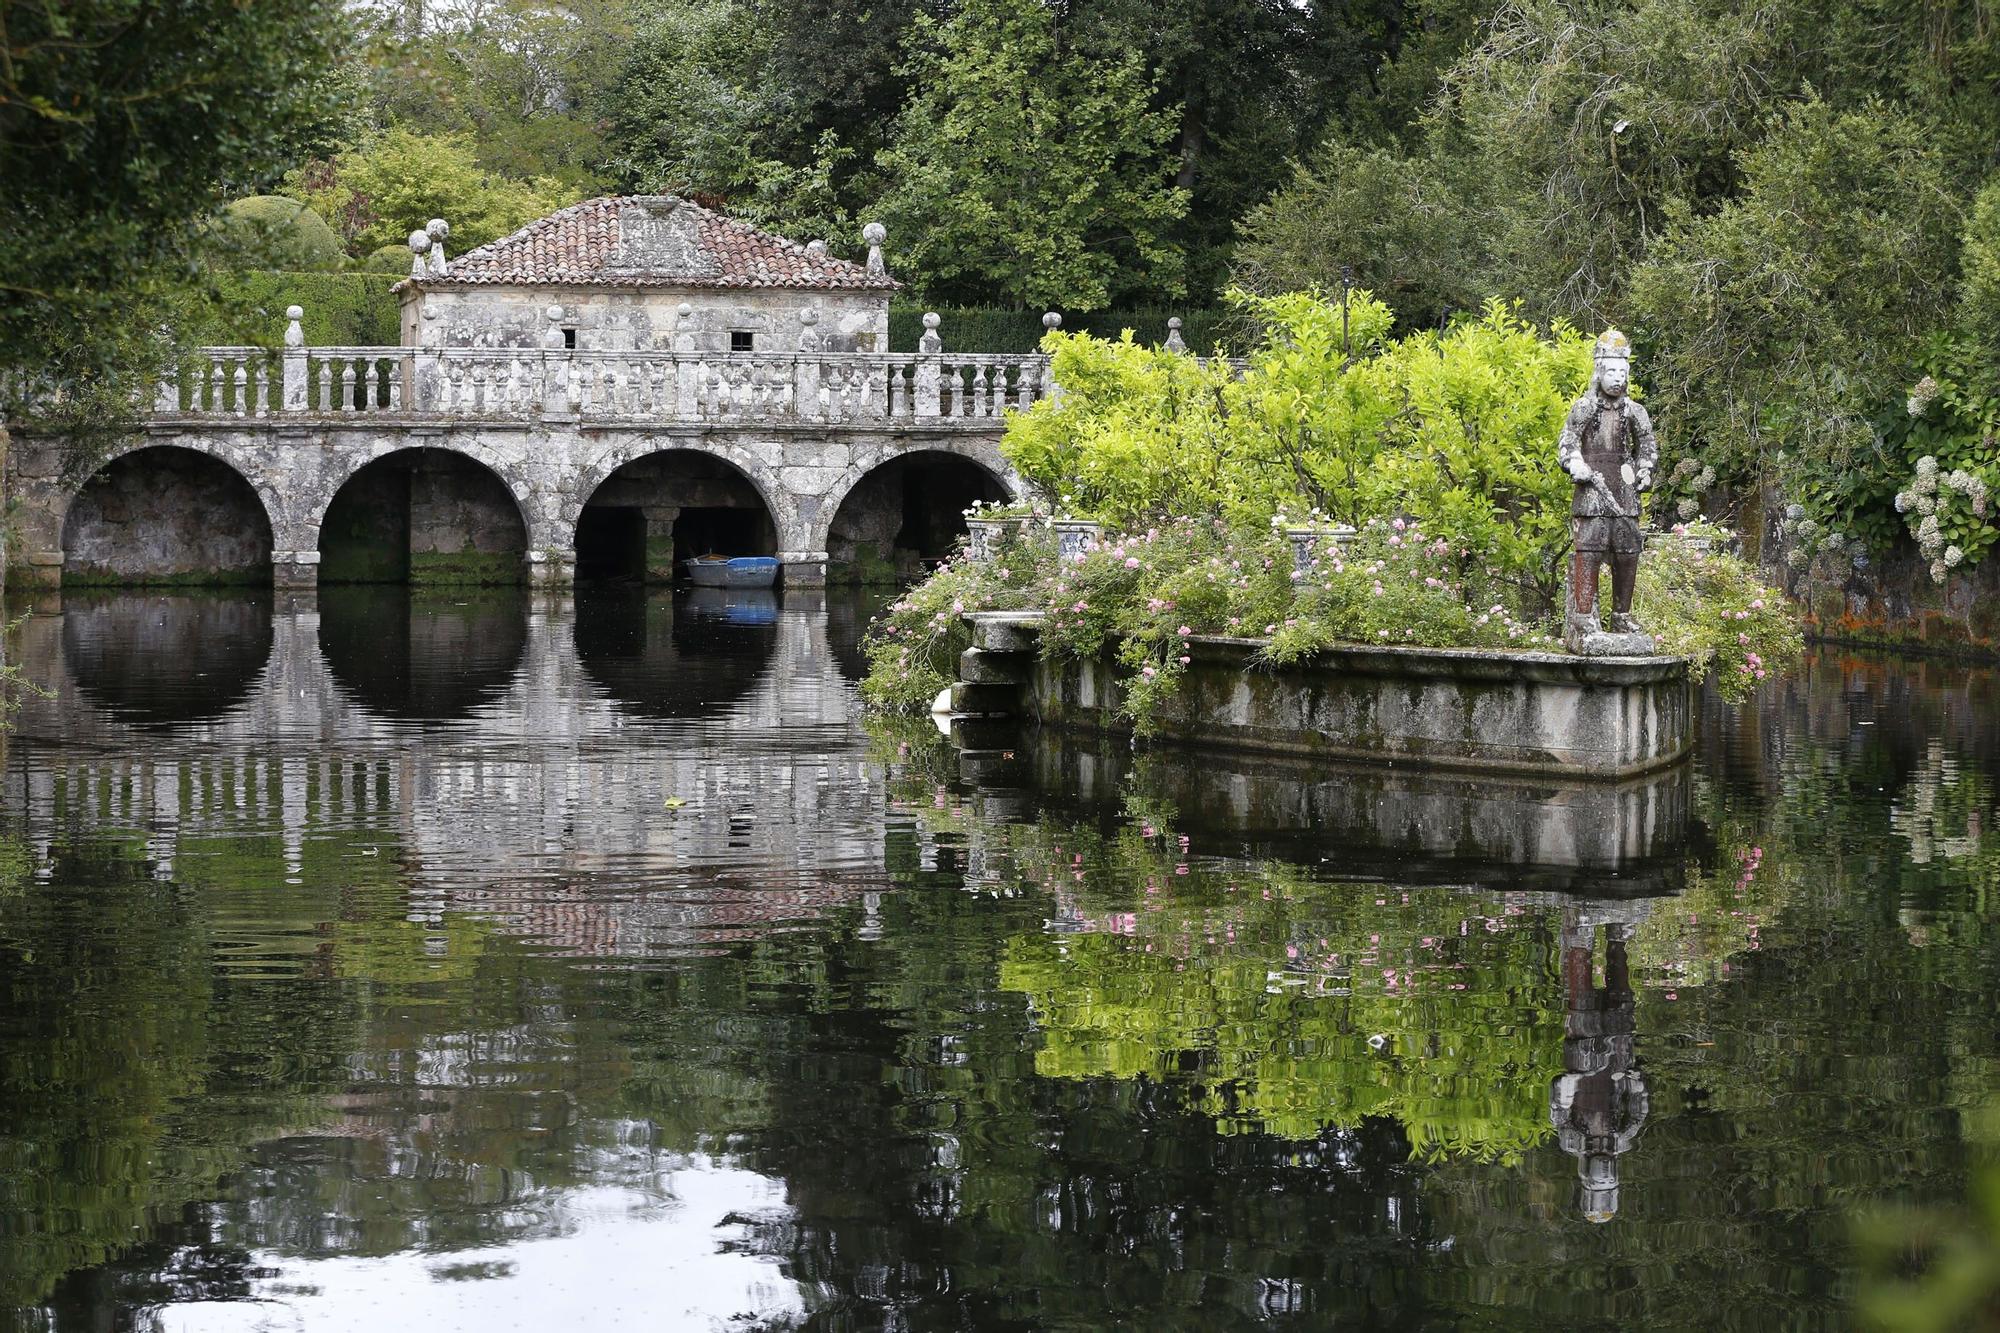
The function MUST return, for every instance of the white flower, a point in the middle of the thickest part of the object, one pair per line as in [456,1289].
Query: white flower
[1926,504]
[1706,479]
[1687,509]
[1937,571]
[1927,474]
[1953,557]
[1927,531]
[1922,394]
[1904,500]
[1961,481]
[1796,558]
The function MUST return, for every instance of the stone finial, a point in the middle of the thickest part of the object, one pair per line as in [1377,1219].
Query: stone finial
[1051,321]
[930,344]
[1175,343]
[817,249]
[875,233]
[810,338]
[295,336]
[420,241]
[437,229]
[684,327]
[552,336]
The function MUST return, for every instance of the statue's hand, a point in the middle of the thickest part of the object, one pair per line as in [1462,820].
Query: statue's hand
[1581,470]
[1645,480]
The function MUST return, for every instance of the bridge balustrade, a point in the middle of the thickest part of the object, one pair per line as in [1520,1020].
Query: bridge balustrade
[520,383]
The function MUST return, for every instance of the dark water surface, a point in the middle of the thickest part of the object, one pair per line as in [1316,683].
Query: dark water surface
[492,963]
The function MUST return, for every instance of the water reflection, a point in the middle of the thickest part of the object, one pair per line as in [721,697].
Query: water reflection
[163,660]
[1598,1104]
[762,1018]
[417,653]
[664,653]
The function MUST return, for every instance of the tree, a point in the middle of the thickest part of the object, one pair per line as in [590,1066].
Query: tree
[377,193]
[122,125]
[1029,166]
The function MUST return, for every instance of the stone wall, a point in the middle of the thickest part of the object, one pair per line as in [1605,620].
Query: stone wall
[166,516]
[644,318]
[1537,714]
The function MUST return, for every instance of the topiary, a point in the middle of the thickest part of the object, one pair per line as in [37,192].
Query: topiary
[387,259]
[271,231]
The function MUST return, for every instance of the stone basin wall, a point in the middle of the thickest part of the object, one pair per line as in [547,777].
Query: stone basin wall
[1522,713]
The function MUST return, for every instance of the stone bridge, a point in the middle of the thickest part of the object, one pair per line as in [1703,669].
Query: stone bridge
[506,465]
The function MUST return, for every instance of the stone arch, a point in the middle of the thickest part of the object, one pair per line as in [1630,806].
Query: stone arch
[646,506]
[422,515]
[168,514]
[902,510]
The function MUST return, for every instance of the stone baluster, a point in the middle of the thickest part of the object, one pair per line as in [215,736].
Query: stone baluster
[326,390]
[1027,379]
[898,399]
[167,392]
[260,386]
[394,371]
[479,400]
[874,393]
[982,392]
[687,366]
[718,405]
[349,399]
[454,379]
[294,368]
[242,385]
[658,375]
[930,350]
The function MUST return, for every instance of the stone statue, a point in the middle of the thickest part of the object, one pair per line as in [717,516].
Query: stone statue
[1609,451]
[1598,1104]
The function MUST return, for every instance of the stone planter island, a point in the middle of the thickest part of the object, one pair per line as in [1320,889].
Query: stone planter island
[1473,710]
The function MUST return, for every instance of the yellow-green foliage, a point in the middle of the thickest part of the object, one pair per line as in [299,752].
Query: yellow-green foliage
[377,193]
[1455,429]
[1303,1011]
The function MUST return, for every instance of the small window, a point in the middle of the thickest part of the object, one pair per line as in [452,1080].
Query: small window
[742,340]
[569,339]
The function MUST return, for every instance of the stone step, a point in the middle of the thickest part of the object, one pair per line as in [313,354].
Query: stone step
[980,666]
[1006,631]
[989,698]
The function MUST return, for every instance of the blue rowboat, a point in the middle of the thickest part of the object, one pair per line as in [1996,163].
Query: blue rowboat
[743,571]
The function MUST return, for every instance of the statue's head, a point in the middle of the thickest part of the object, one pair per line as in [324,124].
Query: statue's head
[1597,1173]
[1613,359]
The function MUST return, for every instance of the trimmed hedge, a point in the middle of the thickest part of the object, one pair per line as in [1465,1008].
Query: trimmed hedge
[995,329]
[342,309]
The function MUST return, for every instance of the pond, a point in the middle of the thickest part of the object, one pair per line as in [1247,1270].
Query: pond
[495,961]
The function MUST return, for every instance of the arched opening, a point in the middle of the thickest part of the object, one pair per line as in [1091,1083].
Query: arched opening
[166,660]
[655,512]
[166,515]
[905,516]
[424,517]
[408,655]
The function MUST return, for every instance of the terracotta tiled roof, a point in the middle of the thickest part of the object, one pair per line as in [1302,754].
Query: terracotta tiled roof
[651,241]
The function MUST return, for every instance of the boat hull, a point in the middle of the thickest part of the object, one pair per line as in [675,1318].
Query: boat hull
[752,571]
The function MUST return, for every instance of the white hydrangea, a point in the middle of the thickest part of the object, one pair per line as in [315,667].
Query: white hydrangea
[1937,571]
[1796,557]
[1953,557]
[1687,509]
[1961,481]
[1684,469]
[1926,504]
[1927,474]
[1927,531]
[1904,500]
[1922,395]
[1706,479]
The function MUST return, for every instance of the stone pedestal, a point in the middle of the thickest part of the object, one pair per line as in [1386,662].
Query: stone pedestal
[294,570]
[803,569]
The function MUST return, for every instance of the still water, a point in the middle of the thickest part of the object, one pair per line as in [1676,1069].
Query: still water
[502,963]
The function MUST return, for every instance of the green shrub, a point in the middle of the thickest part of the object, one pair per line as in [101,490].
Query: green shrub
[388,259]
[342,309]
[270,231]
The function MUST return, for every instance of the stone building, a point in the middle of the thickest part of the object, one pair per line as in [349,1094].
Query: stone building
[646,273]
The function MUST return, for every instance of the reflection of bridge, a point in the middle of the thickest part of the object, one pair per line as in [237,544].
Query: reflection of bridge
[532,784]
[241,463]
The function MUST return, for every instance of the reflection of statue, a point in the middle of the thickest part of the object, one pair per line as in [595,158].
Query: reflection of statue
[1599,1105]
[1608,449]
